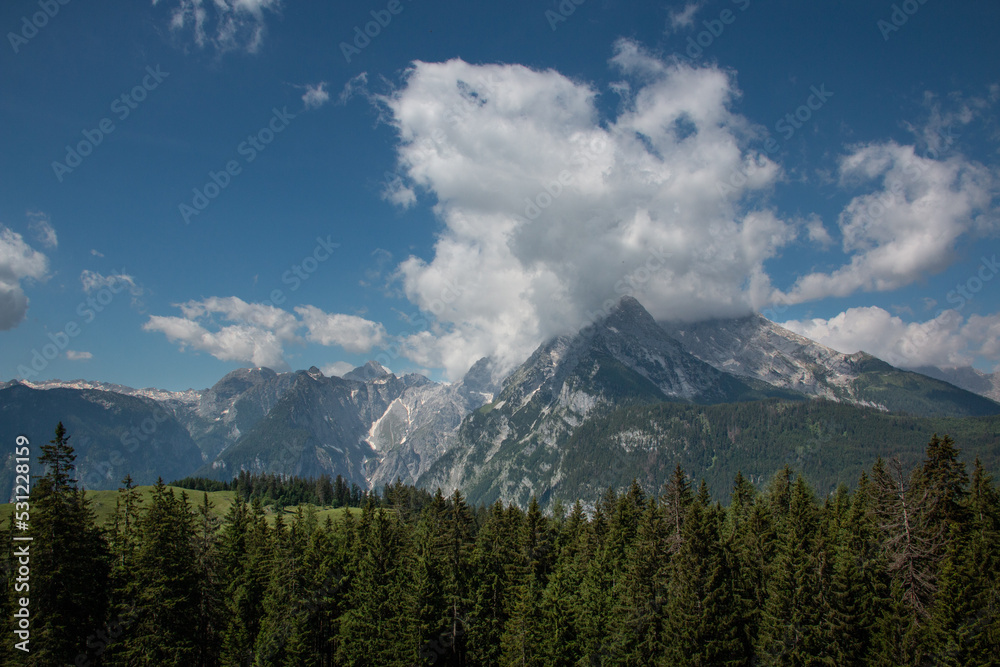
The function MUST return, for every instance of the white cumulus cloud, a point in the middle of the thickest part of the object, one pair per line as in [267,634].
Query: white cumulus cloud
[354,334]
[231,329]
[18,262]
[551,211]
[907,227]
[946,340]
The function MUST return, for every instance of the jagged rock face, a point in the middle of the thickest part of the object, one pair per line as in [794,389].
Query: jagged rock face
[370,371]
[754,347]
[416,429]
[369,426]
[422,423]
[231,408]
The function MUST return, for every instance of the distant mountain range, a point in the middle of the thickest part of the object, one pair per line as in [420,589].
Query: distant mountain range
[966,377]
[626,389]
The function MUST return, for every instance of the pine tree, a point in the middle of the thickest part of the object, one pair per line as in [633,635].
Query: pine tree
[702,623]
[522,642]
[460,539]
[432,608]
[165,589]
[908,542]
[597,601]
[124,545]
[858,586]
[964,617]
[676,499]
[284,620]
[69,562]
[791,630]
[378,628]
[210,609]
[561,599]
[642,592]
[245,557]
[492,558]
[749,543]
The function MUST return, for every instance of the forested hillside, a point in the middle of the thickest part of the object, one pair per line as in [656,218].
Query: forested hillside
[901,571]
[831,443]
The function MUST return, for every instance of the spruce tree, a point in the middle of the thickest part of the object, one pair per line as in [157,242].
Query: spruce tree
[378,629]
[791,631]
[702,622]
[642,591]
[165,588]
[522,642]
[492,558]
[245,558]
[69,562]
[858,585]
[210,609]
[561,600]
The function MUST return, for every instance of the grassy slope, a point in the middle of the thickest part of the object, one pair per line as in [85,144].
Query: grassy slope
[103,503]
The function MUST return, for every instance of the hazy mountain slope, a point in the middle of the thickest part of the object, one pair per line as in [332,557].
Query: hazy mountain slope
[756,348]
[966,377]
[317,427]
[215,417]
[112,434]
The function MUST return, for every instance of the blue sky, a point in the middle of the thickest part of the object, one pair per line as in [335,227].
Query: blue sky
[187,186]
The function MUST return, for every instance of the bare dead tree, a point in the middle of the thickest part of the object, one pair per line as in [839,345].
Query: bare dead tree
[912,547]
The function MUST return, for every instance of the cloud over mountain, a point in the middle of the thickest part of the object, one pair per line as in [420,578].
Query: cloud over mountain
[552,211]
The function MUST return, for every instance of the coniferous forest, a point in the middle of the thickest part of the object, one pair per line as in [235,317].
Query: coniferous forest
[901,570]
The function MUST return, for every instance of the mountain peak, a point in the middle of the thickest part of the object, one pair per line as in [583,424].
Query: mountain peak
[629,306]
[370,371]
